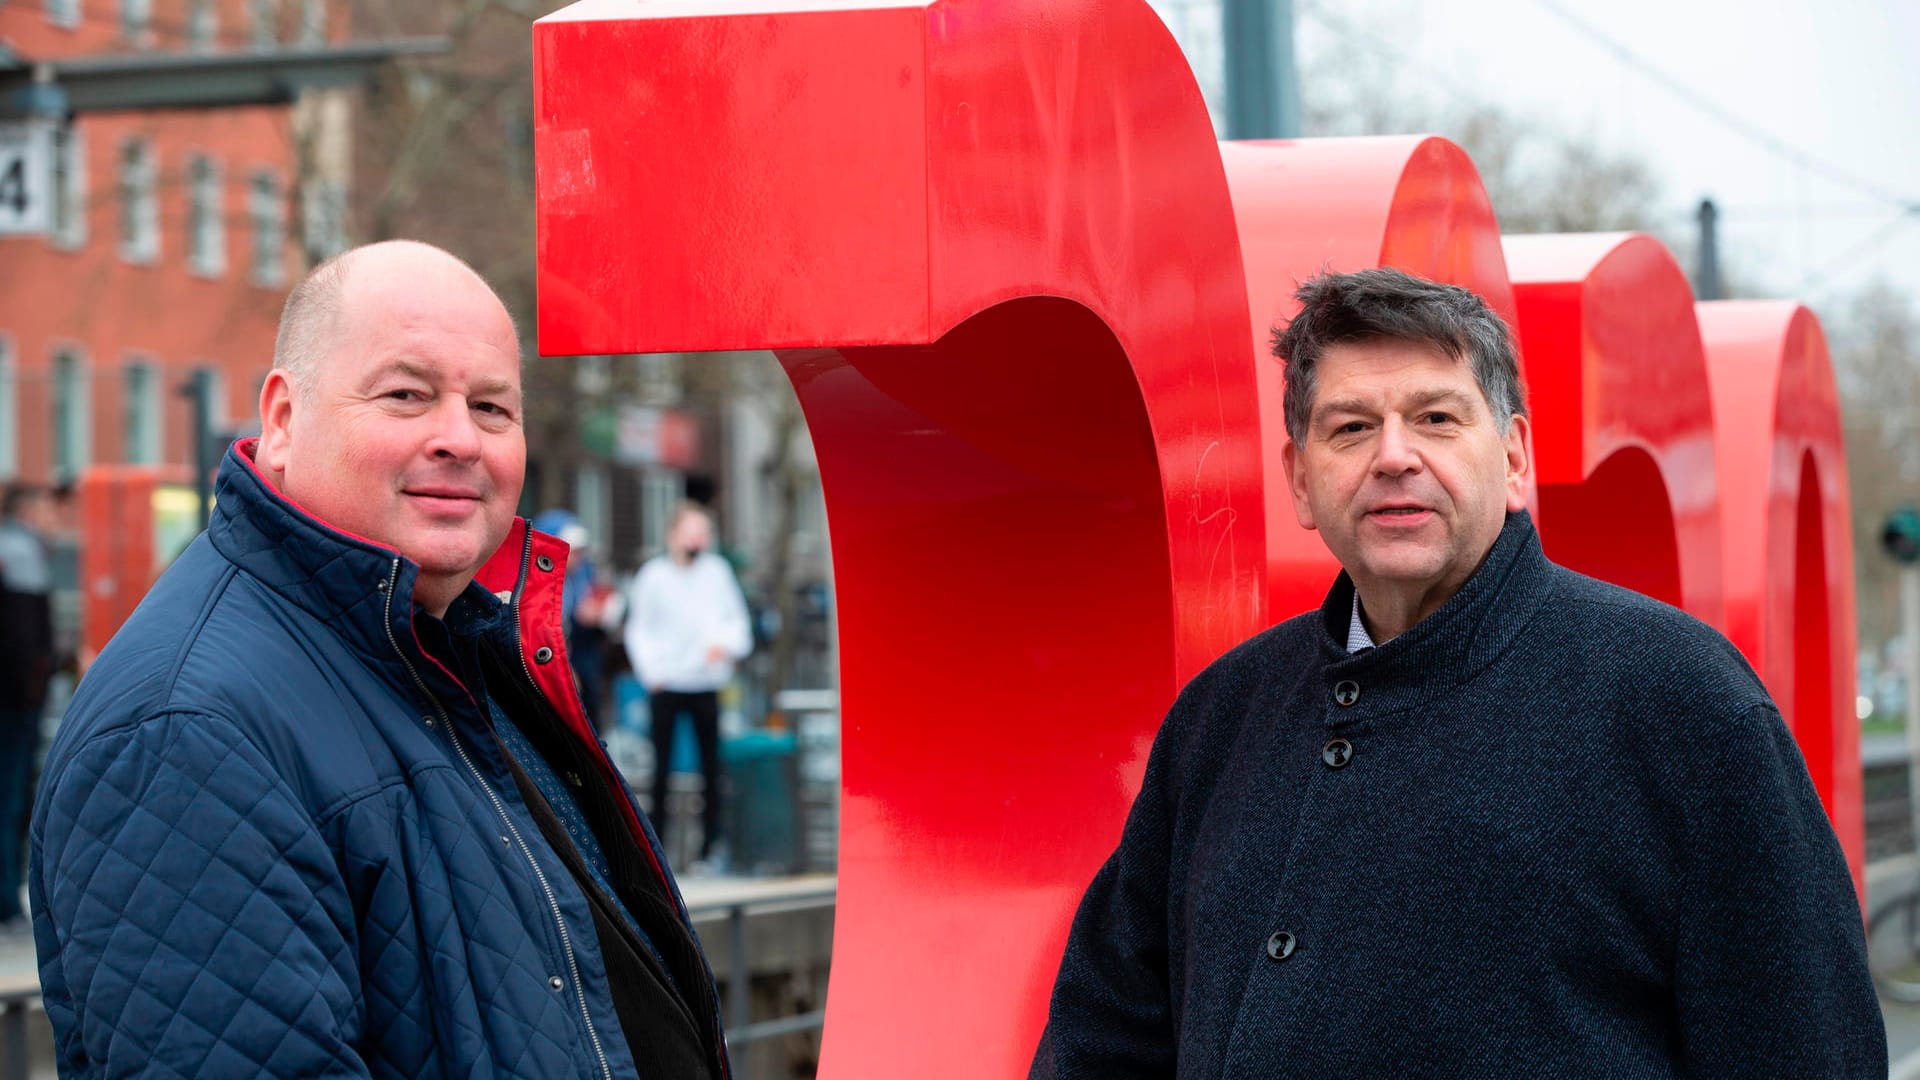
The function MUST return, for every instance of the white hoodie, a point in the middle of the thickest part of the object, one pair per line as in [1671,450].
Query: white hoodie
[676,614]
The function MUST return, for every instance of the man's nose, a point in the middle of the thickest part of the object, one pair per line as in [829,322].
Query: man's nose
[1395,453]
[455,435]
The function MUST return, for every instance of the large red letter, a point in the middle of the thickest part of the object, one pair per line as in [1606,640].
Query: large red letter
[1788,536]
[997,241]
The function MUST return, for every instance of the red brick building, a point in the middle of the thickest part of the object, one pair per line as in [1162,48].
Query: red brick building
[175,238]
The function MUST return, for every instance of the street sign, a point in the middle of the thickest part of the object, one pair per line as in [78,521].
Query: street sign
[26,177]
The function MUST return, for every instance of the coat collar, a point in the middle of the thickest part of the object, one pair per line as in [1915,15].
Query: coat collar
[341,579]
[1453,644]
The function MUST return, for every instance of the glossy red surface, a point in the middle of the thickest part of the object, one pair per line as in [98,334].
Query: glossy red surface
[997,248]
[1788,536]
[1410,201]
[1622,417]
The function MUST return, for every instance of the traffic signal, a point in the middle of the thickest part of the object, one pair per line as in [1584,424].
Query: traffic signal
[1901,535]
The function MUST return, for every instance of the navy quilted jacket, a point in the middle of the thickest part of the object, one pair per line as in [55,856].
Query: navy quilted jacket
[273,840]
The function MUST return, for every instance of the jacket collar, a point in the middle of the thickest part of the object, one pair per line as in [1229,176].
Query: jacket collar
[339,578]
[1450,646]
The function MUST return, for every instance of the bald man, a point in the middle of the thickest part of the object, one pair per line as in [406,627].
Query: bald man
[328,805]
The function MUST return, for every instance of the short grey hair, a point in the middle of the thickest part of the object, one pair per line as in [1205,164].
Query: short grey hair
[309,320]
[1367,305]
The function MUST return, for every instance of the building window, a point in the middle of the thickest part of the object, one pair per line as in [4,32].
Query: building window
[9,411]
[268,211]
[69,187]
[266,23]
[213,389]
[313,23]
[72,415]
[139,203]
[136,22]
[141,401]
[323,211]
[64,13]
[203,24]
[206,217]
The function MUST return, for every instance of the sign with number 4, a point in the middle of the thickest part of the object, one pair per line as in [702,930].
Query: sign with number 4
[26,177]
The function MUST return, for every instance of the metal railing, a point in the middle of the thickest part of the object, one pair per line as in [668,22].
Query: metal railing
[775,897]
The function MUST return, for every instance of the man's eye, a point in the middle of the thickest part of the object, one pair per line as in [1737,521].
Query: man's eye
[1439,418]
[1351,427]
[490,407]
[405,395]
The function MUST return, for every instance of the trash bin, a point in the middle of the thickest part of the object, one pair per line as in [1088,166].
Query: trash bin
[761,811]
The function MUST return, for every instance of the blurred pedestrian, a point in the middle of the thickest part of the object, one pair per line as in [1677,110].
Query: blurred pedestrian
[26,664]
[590,608]
[327,805]
[686,628]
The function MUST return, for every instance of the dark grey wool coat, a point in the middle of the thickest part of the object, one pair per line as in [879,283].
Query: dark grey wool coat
[1566,835]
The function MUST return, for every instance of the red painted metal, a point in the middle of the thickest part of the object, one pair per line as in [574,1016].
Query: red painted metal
[1010,277]
[1303,206]
[997,244]
[1622,418]
[1788,535]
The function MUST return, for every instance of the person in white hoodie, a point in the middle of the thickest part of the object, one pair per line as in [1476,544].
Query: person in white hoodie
[686,628]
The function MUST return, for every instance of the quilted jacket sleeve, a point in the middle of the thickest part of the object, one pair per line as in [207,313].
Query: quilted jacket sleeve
[190,919]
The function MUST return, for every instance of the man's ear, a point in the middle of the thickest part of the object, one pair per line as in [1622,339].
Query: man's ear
[1519,463]
[1296,466]
[276,421]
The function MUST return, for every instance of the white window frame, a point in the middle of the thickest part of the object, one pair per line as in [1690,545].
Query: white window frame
[139,198]
[203,25]
[136,22]
[206,216]
[266,23]
[64,13]
[71,188]
[9,409]
[267,211]
[323,211]
[143,418]
[72,410]
[312,32]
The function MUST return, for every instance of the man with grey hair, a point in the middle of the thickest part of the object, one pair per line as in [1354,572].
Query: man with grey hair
[1477,815]
[328,804]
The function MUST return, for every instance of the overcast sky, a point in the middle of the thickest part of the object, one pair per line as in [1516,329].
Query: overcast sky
[1833,85]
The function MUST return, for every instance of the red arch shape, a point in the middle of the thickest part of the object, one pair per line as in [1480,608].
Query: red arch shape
[1788,535]
[997,244]
[1411,202]
[1614,363]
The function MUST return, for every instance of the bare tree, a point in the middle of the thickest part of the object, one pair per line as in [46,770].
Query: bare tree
[1875,341]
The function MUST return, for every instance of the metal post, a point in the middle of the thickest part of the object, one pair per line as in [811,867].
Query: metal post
[13,1035]
[1262,86]
[1706,278]
[739,1004]
[199,388]
[1910,637]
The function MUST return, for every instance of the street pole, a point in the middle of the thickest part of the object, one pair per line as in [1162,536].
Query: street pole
[1706,277]
[1910,638]
[1262,85]
[200,387]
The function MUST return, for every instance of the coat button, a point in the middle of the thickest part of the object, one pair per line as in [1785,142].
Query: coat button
[1346,692]
[556,983]
[1280,945]
[543,563]
[427,720]
[542,654]
[1337,753]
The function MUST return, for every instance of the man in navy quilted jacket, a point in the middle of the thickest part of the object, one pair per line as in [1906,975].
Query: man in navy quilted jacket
[328,805]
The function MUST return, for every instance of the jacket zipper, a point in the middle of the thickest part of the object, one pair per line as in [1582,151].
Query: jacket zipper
[553,903]
[718,1027]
